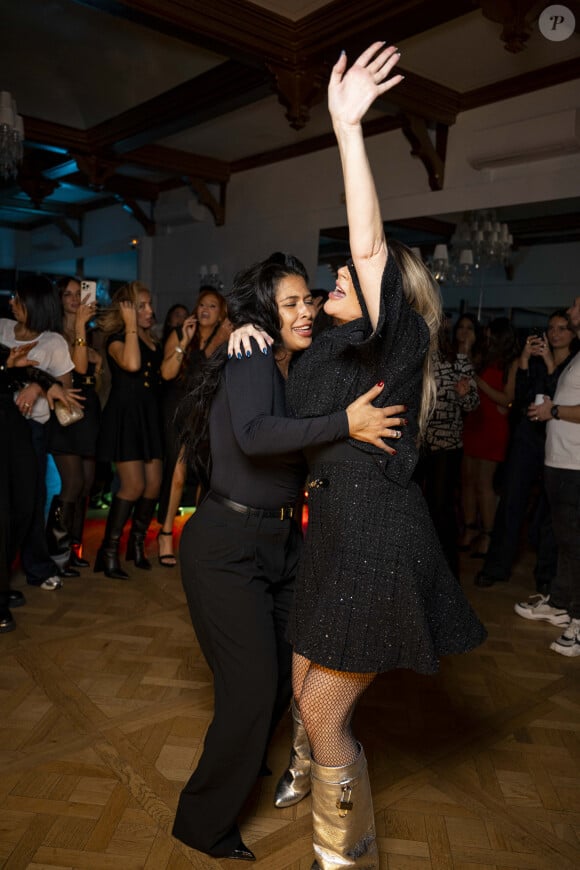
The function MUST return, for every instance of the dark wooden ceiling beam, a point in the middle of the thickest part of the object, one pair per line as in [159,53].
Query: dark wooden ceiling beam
[427,99]
[526,83]
[212,26]
[222,89]
[180,163]
[324,32]
[59,135]
[56,209]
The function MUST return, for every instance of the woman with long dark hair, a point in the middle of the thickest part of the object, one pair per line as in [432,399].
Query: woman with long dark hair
[239,551]
[185,349]
[74,447]
[373,590]
[131,432]
[38,318]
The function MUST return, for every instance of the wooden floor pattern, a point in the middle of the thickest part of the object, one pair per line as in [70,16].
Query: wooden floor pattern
[105,699]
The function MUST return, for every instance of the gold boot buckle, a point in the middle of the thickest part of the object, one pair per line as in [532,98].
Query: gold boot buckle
[344,803]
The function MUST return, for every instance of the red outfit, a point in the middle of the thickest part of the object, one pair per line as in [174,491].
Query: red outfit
[486,430]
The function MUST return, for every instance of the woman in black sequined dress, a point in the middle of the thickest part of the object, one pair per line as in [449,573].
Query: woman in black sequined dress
[373,590]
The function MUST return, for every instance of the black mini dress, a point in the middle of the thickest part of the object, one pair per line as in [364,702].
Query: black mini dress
[374,591]
[80,438]
[131,427]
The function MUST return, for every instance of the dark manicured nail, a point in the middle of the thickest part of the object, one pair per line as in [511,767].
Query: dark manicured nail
[239,356]
[381,384]
[230,355]
[248,353]
[264,350]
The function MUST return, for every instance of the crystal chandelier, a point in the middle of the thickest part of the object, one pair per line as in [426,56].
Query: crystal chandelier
[11,136]
[480,241]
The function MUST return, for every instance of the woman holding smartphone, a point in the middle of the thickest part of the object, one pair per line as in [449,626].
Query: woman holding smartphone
[74,447]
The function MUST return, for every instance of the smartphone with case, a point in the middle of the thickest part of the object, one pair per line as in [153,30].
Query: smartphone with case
[89,288]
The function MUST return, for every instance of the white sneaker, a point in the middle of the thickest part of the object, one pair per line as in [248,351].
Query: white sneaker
[537,607]
[51,583]
[568,644]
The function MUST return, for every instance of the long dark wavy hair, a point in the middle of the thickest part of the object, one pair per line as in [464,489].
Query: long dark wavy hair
[502,345]
[252,300]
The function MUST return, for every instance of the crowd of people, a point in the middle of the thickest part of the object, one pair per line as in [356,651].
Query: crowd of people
[65,340]
[403,428]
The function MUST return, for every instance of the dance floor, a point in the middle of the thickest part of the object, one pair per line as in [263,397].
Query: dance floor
[105,700]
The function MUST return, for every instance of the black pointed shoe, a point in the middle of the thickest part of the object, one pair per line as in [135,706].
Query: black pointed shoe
[242,853]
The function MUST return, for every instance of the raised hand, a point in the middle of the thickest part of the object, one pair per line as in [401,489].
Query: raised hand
[351,93]
[189,327]
[129,314]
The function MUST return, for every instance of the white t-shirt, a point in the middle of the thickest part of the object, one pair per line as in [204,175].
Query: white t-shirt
[52,354]
[563,438]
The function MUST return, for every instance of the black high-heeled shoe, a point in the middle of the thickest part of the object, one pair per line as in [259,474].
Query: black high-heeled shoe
[167,560]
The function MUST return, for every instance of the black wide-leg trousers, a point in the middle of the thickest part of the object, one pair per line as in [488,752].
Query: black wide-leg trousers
[238,574]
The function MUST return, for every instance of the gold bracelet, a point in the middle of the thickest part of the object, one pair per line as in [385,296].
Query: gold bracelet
[80,342]
[130,332]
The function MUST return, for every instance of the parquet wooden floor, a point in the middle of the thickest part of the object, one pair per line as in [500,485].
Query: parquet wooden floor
[105,699]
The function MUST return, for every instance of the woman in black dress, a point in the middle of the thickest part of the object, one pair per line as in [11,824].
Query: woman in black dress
[74,447]
[186,348]
[240,549]
[131,433]
[373,589]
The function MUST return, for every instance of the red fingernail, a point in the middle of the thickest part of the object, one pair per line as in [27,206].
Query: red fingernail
[394,453]
[406,422]
[381,384]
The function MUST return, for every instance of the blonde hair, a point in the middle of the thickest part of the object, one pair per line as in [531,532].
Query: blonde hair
[111,321]
[423,294]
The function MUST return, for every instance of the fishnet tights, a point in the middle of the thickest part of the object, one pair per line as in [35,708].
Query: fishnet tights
[327,700]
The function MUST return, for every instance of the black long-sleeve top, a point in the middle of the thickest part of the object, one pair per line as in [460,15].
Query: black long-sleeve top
[255,447]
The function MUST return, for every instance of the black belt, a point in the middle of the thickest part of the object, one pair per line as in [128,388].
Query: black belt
[282,513]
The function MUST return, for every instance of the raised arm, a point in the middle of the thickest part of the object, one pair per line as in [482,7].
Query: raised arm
[350,95]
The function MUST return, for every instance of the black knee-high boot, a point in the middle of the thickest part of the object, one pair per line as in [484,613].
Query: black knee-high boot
[80,512]
[108,556]
[142,516]
[59,537]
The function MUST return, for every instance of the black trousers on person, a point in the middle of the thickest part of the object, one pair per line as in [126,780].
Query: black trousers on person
[238,575]
[442,477]
[523,468]
[18,473]
[563,488]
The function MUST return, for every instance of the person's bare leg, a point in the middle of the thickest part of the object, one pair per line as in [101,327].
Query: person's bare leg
[166,534]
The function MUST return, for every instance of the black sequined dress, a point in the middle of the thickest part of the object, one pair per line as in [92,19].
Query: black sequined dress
[374,591]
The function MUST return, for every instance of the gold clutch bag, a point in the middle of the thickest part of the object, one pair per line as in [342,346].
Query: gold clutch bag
[66,417]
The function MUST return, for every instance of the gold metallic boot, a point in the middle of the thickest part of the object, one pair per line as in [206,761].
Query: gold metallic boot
[294,784]
[343,818]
